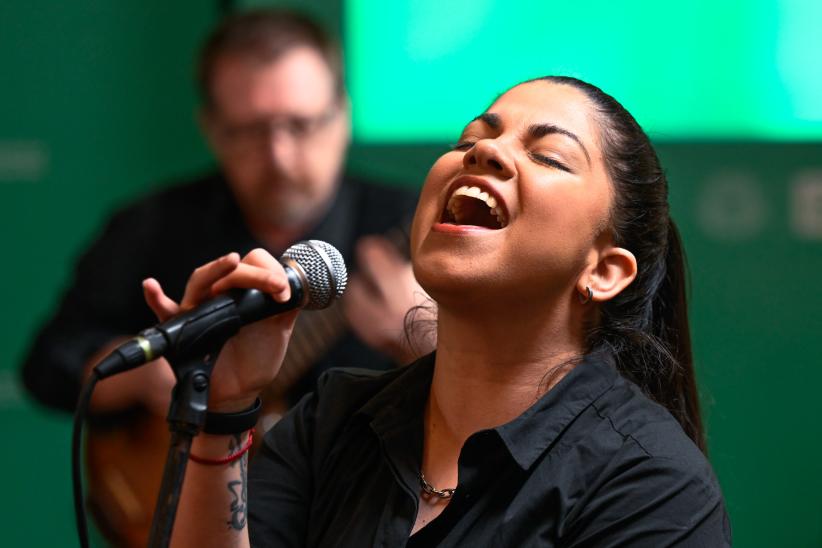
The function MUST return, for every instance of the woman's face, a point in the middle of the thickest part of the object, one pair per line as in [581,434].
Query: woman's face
[514,210]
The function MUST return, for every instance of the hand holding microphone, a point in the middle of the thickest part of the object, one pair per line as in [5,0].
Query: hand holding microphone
[244,310]
[251,359]
[253,314]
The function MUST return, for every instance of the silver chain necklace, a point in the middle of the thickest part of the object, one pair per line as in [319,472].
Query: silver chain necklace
[431,490]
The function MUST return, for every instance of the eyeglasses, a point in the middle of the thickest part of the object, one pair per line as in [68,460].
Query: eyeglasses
[297,128]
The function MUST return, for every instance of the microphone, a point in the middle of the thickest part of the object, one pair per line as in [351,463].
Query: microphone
[317,276]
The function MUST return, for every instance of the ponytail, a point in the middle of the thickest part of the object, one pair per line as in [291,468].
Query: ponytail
[650,339]
[671,328]
[645,327]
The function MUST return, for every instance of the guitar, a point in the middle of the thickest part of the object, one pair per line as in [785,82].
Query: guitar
[124,463]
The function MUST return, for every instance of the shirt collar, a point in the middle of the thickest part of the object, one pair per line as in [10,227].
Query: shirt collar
[530,434]
[402,398]
[396,414]
[397,410]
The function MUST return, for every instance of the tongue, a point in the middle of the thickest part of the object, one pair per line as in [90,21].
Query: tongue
[475,212]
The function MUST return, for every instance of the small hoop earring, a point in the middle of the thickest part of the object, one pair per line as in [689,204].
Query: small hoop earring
[585,299]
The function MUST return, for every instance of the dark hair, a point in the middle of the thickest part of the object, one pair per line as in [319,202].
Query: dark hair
[645,327]
[263,36]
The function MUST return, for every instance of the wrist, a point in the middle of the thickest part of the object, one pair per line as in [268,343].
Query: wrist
[232,406]
[227,423]
[214,447]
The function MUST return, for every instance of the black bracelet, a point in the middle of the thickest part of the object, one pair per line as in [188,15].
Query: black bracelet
[232,423]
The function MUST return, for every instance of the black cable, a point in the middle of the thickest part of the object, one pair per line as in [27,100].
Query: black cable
[76,465]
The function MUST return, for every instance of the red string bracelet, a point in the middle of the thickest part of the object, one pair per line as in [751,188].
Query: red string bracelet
[230,458]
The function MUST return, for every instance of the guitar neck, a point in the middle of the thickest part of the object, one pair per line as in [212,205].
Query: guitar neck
[315,333]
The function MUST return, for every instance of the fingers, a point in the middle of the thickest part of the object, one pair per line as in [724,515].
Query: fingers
[162,306]
[258,270]
[199,284]
[377,252]
[358,292]
[378,261]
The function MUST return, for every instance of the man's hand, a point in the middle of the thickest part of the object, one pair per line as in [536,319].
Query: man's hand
[380,295]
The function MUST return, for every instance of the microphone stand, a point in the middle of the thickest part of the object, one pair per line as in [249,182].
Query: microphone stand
[186,417]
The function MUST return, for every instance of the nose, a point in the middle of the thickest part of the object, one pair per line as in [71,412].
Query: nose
[281,148]
[489,155]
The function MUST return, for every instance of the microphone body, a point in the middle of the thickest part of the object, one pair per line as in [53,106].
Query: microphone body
[316,274]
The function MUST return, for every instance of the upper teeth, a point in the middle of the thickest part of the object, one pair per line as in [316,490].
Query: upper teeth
[475,192]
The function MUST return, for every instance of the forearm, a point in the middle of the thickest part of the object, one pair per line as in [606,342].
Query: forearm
[212,509]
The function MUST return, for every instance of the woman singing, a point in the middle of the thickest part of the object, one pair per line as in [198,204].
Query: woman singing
[560,407]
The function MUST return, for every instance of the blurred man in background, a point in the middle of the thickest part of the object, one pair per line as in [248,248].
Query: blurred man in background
[276,115]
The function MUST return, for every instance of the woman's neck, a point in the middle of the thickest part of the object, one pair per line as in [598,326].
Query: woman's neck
[490,367]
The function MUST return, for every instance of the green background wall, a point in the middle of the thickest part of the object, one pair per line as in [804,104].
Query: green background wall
[97,107]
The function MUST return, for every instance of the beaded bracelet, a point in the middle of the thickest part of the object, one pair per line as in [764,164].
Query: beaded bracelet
[227,459]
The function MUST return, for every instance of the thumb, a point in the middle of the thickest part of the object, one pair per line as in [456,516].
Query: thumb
[162,306]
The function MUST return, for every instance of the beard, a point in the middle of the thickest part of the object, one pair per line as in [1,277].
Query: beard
[286,204]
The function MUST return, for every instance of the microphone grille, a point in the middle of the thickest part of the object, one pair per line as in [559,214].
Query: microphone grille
[324,270]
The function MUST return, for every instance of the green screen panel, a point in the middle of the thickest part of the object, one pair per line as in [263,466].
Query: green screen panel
[419,70]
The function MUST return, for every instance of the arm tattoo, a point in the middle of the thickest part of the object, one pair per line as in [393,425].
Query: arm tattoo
[238,489]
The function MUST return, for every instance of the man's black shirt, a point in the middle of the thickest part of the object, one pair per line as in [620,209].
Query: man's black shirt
[592,463]
[166,235]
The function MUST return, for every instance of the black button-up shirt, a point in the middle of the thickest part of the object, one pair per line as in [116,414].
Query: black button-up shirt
[166,236]
[592,463]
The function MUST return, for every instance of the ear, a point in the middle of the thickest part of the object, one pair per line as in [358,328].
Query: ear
[610,270]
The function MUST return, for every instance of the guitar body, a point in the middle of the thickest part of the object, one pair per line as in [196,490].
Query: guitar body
[124,466]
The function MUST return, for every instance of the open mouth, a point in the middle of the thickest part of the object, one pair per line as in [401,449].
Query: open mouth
[469,205]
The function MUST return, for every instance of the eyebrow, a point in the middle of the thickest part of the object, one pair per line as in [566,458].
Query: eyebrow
[541,130]
[492,120]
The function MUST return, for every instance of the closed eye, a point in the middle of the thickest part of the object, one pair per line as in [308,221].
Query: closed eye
[548,161]
[462,145]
